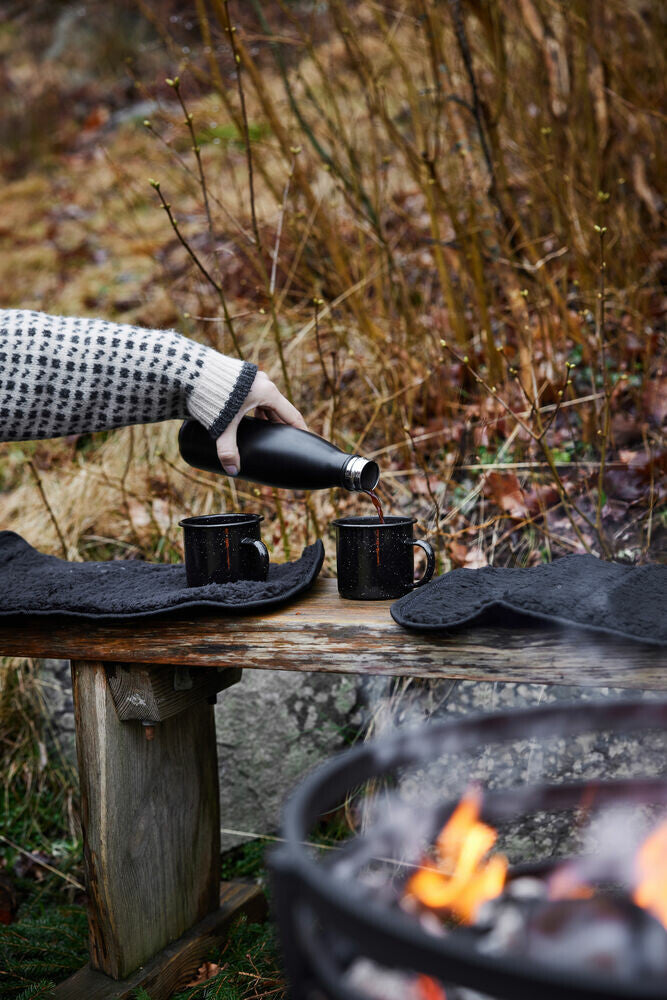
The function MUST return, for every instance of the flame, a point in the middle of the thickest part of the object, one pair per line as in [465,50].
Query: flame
[567,883]
[463,877]
[651,890]
[428,989]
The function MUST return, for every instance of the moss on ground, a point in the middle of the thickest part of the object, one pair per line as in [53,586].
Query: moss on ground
[49,941]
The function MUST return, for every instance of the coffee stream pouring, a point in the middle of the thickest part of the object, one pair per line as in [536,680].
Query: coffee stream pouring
[282,456]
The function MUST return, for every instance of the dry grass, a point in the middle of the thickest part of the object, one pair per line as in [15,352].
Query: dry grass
[439,173]
[37,788]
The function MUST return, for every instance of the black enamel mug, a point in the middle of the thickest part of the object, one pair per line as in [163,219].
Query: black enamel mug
[222,548]
[376,560]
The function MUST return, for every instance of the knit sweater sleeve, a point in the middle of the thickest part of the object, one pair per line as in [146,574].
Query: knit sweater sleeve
[62,375]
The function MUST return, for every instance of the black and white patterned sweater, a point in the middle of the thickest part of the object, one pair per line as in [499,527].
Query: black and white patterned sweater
[62,375]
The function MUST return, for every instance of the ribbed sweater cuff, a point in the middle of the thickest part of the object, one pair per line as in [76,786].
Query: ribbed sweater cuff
[220,391]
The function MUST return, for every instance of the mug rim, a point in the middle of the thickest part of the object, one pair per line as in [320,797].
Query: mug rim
[199,520]
[373,521]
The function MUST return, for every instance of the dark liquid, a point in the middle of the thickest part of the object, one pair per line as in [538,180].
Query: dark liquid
[377,503]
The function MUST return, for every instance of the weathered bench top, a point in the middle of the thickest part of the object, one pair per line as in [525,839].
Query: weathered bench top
[323,632]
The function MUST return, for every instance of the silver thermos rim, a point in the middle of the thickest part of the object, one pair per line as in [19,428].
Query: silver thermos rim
[360,474]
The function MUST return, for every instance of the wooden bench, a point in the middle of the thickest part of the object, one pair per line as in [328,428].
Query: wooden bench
[148,759]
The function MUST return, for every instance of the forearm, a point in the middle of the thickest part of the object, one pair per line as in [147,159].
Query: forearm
[61,375]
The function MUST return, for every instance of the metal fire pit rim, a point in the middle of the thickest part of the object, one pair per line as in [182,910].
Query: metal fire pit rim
[402,935]
[412,745]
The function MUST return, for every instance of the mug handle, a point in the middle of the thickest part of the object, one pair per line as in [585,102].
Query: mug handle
[430,563]
[263,553]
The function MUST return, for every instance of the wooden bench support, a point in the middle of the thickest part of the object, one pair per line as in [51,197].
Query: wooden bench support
[153,694]
[177,964]
[151,823]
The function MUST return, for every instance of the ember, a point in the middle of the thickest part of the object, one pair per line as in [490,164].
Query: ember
[428,989]
[605,932]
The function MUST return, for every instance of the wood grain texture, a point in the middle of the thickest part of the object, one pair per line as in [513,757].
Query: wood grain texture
[151,825]
[151,693]
[177,964]
[323,632]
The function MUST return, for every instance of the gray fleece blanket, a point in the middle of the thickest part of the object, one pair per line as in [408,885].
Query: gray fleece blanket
[32,583]
[629,601]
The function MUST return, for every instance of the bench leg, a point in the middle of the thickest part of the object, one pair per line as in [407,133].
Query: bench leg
[151,833]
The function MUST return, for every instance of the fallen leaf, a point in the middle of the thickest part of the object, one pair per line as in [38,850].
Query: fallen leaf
[655,400]
[540,498]
[475,559]
[419,485]
[634,481]
[457,552]
[97,117]
[205,972]
[505,491]
[460,556]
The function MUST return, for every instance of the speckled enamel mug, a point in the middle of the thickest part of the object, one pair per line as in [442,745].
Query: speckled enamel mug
[376,560]
[222,548]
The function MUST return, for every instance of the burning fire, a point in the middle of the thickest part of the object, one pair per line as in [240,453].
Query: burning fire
[463,874]
[463,877]
[651,890]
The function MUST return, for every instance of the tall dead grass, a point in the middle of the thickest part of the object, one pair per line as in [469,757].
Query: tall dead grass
[437,227]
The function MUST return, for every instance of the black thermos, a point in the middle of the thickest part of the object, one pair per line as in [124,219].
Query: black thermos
[282,456]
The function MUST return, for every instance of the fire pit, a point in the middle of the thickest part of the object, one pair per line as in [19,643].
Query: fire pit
[385,916]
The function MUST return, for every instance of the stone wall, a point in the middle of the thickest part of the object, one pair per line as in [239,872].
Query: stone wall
[56,686]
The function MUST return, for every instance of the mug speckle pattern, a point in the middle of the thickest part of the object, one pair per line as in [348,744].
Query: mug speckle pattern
[375,561]
[223,548]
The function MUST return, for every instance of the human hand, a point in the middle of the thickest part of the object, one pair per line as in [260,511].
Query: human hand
[268,402]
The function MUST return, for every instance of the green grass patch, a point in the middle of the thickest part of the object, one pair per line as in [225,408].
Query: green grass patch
[229,135]
[45,945]
[49,939]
